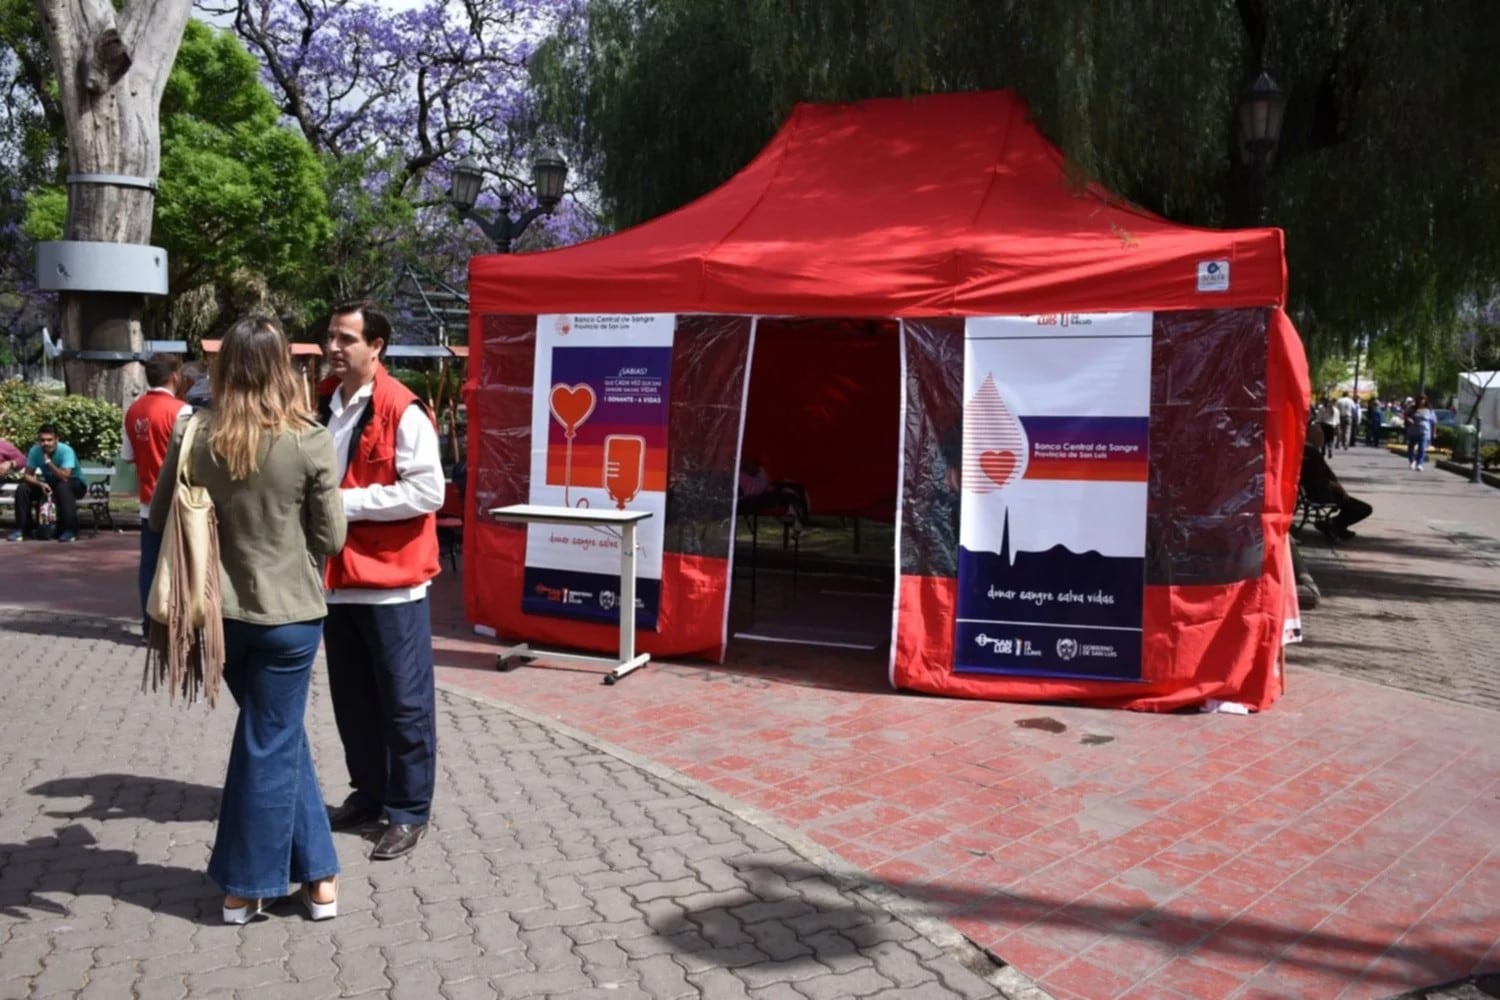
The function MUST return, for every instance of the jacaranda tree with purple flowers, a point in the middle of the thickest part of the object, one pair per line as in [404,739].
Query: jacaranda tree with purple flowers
[391,99]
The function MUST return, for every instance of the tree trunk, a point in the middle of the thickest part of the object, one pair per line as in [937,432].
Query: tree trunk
[111,70]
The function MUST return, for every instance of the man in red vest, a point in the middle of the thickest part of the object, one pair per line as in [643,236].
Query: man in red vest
[147,432]
[378,633]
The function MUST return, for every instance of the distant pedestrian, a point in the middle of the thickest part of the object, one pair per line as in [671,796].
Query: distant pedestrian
[1328,420]
[1421,425]
[146,434]
[195,387]
[269,468]
[1374,419]
[1348,413]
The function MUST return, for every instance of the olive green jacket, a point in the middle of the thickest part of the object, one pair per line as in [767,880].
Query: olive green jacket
[275,528]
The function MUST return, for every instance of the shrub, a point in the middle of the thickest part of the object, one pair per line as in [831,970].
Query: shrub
[91,426]
[1489,455]
[1445,438]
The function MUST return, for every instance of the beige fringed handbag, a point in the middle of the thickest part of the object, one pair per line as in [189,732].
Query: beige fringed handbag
[185,650]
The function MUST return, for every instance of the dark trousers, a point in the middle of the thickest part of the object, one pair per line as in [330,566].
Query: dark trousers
[1351,511]
[380,676]
[65,493]
[150,550]
[1330,438]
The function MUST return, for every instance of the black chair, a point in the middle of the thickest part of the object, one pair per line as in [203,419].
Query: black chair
[784,503]
[1320,512]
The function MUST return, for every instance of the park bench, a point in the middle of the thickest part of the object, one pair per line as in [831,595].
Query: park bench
[1319,512]
[95,503]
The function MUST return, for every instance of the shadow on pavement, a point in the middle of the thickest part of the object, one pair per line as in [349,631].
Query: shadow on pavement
[89,627]
[1396,587]
[71,863]
[782,915]
[131,796]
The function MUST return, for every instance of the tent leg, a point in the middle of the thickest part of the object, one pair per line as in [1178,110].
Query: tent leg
[796,559]
[754,559]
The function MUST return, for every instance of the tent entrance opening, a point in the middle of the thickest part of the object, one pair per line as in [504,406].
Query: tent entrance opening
[814,560]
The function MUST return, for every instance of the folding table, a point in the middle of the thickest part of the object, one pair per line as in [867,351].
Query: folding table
[610,520]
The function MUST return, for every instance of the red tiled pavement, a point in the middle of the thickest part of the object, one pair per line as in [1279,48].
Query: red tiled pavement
[1339,841]
[1342,844]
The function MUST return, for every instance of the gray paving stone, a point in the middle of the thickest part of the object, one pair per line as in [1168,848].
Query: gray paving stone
[553,869]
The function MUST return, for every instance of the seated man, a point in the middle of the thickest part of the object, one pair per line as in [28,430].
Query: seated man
[52,473]
[1322,486]
[12,461]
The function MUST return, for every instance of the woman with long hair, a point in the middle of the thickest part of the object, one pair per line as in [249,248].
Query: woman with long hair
[270,469]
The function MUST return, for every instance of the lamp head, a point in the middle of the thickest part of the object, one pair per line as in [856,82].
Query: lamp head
[1262,107]
[549,173]
[465,183]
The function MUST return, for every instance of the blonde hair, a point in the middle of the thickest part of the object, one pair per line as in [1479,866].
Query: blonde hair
[256,394]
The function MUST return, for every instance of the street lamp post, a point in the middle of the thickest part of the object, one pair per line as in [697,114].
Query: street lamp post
[1261,109]
[549,172]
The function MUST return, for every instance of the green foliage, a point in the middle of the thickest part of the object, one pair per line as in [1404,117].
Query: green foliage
[1489,455]
[91,426]
[46,212]
[428,385]
[375,225]
[1445,438]
[238,190]
[1387,179]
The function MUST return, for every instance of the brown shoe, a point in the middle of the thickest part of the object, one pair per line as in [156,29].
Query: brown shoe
[398,839]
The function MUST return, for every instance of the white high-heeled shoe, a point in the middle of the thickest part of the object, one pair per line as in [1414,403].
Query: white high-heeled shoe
[317,910]
[245,912]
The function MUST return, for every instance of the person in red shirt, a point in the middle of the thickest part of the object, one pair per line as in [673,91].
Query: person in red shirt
[148,431]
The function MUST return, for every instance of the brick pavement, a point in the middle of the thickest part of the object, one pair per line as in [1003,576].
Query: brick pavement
[1340,845]
[1411,602]
[554,869]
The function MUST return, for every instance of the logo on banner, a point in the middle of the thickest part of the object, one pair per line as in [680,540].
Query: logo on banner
[1213,276]
[571,405]
[1067,649]
[563,325]
[996,441]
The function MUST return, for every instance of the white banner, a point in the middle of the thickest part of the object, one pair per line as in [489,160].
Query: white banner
[1052,525]
[598,439]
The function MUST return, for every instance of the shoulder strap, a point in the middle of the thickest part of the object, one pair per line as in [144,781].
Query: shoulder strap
[185,453]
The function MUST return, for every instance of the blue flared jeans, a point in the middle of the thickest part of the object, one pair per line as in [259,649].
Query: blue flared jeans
[273,827]
[150,552]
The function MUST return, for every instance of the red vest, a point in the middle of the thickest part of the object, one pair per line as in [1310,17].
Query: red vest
[148,424]
[383,555]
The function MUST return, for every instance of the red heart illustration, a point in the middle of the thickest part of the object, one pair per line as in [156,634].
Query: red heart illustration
[998,465]
[572,404]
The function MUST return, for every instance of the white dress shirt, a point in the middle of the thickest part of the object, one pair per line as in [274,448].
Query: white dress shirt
[418,488]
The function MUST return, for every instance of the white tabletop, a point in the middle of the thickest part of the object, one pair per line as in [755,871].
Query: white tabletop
[543,514]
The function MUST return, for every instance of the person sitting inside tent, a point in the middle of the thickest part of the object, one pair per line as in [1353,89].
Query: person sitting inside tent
[1322,486]
[760,494]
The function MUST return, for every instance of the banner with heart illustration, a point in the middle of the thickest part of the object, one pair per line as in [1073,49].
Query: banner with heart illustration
[598,439]
[1052,509]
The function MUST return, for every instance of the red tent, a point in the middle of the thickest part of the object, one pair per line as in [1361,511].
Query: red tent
[870,232]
